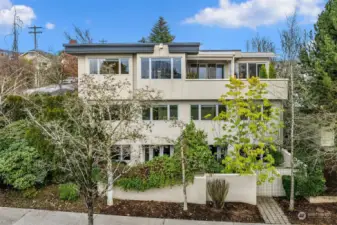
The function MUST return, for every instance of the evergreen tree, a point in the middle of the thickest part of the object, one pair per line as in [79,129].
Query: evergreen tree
[160,33]
[272,72]
[320,59]
[263,72]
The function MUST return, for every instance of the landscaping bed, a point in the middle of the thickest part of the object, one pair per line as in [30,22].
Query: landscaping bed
[48,198]
[315,213]
[234,212]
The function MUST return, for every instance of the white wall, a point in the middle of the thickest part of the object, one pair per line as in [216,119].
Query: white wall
[276,187]
[242,189]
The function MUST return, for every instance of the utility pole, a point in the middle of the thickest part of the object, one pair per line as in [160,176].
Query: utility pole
[35,32]
[103,41]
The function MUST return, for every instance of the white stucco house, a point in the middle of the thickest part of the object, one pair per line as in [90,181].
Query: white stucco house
[191,81]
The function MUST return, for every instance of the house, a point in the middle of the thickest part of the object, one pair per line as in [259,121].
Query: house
[191,81]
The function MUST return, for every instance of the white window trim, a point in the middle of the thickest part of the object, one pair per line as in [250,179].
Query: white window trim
[218,151]
[121,153]
[150,67]
[102,59]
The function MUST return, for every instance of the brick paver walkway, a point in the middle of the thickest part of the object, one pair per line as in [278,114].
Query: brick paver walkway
[270,211]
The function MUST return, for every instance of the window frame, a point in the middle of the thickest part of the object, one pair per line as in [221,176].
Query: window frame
[223,66]
[168,113]
[150,75]
[199,111]
[219,150]
[110,58]
[247,69]
[121,153]
[150,149]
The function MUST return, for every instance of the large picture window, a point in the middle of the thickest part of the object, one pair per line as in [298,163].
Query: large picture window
[161,68]
[109,66]
[206,71]
[247,70]
[161,112]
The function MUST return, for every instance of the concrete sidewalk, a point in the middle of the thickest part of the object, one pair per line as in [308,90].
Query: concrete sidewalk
[14,216]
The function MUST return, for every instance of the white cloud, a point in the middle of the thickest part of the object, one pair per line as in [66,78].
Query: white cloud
[7,10]
[50,26]
[254,13]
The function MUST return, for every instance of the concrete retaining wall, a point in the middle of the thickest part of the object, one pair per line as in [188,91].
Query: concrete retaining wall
[241,189]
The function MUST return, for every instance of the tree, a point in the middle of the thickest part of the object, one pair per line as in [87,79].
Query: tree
[321,57]
[160,33]
[263,72]
[15,77]
[272,72]
[260,44]
[251,127]
[291,41]
[95,123]
[82,36]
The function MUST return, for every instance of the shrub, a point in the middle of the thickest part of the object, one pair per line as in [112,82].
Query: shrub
[218,190]
[263,72]
[278,157]
[68,192]
[312,184]
[30,192]
[272,71]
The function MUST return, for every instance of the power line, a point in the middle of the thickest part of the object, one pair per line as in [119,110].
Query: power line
[35,32]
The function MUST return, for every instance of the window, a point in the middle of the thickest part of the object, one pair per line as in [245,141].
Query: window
[202,72]
[109,66]
[220,71]
[208,112]
[252,72]
[156,151]
[161,68]
[161,112]
[121,152]
[206,71]
[111,113]
[146,114]
[195,112]
[242,70]
[173,112]
[267,110]
[218,152]
[145,68]
[93,64]
[124,66]
[176,68]
[201,111]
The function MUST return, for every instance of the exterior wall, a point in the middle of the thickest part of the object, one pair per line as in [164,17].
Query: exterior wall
[241,189]
[276,187]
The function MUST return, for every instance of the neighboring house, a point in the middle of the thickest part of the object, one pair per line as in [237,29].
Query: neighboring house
[191,81]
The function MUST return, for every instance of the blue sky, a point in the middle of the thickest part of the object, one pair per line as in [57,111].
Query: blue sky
[226,24]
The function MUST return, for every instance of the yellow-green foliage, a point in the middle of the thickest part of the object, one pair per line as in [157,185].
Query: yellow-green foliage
[248,130]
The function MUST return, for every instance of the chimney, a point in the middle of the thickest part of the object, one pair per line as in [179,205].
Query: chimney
[73,42]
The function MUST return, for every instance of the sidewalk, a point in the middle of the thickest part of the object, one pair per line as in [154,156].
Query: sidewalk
[14,216]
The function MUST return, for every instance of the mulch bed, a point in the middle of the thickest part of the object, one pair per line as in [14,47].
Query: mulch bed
[323,214]
[48,198]
[234,212]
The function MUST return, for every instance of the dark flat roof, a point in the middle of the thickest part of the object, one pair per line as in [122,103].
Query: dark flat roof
[183,47]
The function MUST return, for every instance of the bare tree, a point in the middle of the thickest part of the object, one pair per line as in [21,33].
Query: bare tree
[15,76]
[260,44]
[105,115]
[82,36]
[291,41]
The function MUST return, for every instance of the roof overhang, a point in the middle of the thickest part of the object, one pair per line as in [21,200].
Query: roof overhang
[257,55]
[190,48]
[78,49]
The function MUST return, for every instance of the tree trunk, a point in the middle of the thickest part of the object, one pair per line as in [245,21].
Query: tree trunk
[90,206]
[110,181]
[183,173]
[292,127]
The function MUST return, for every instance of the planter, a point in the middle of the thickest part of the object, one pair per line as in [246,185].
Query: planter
[322,199]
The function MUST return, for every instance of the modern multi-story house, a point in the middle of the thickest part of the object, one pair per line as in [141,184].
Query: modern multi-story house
[191,81]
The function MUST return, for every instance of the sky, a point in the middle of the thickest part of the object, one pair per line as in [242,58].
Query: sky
[216,24]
